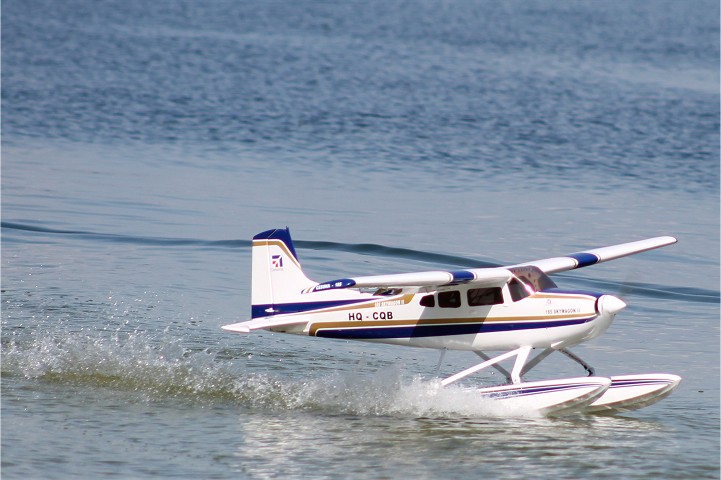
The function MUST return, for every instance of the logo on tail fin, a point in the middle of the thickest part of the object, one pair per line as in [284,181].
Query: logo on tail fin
[276,261]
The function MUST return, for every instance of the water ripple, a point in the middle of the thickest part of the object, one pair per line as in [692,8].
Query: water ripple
[648,290]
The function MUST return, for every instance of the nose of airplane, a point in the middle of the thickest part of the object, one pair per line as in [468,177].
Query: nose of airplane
[610,305]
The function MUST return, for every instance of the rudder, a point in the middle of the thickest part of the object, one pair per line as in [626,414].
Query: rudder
[277,277]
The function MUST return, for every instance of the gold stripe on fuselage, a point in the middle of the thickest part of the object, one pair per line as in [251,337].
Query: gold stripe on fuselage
[315,326]
[561,295]
[375,302]
[371,303]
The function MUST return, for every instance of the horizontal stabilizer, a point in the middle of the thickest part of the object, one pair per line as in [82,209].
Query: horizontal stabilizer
[261,323]
[477,276]
[598,255]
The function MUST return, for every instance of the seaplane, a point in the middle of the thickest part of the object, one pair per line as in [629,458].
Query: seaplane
[517,310]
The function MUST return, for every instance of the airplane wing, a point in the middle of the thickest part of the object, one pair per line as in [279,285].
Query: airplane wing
[597,255]
[496,276]
[477,276]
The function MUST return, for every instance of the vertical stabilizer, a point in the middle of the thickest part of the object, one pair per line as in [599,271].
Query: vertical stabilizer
[277,276]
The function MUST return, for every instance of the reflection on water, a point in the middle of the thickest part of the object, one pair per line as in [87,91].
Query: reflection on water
[298,444]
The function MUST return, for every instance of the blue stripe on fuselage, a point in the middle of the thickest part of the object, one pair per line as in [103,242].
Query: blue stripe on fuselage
[258,311]
[441,330]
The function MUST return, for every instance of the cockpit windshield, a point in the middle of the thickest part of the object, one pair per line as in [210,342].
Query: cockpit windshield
[519,290]
[534,277]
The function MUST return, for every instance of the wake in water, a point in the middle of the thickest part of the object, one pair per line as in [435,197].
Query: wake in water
[157,368]
[695,294]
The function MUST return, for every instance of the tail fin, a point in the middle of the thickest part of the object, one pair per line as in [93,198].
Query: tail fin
[277,276]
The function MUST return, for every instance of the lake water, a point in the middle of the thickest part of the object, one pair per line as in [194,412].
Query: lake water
[145,143]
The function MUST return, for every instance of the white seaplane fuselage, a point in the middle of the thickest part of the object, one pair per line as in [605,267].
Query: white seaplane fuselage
[452,318]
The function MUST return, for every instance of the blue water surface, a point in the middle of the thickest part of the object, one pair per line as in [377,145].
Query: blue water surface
[145,143]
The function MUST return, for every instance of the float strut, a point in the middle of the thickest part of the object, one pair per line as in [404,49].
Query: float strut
[520,352]
[440,361]
[572,356]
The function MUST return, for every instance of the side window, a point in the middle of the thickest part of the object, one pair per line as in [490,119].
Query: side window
[518,290]
[450,299]
[428,301]
[485,296]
